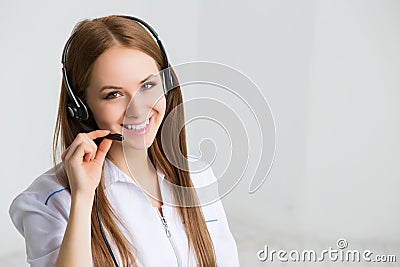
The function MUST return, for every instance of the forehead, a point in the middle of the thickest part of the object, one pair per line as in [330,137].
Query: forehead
[121,66]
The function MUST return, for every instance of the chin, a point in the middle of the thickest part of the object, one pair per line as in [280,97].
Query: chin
[138,144]
[141,142]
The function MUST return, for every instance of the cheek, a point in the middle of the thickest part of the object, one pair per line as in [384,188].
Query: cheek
[160,108]
[105,115]
[159,112]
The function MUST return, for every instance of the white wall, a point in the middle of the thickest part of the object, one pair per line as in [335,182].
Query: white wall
[353,122]
[329,70]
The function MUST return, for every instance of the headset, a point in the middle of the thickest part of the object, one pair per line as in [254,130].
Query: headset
[76,109]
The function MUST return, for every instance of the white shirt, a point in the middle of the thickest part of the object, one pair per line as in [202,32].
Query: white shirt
[40,213]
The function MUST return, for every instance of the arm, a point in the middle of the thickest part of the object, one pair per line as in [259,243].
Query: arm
[52,236]
[41,225]
[45,221]
[214,214]
[83,162]
[76,245]
[226,247]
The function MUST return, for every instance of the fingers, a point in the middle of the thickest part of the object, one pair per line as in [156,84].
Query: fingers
[102,150]
[98,133]
[81,139]
[81,148]
[64,153]
[84,147]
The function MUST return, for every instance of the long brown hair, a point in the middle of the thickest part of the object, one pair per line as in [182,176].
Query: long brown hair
[92,38]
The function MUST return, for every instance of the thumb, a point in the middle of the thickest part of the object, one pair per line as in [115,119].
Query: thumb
[102,150]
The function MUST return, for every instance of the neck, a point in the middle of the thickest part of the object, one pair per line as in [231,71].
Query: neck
[135,163]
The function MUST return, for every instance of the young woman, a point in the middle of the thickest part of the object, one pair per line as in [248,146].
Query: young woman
[93,209]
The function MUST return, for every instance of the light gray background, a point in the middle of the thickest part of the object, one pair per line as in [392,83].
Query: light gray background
[329,69]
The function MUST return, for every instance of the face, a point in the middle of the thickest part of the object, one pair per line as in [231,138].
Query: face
[121,95]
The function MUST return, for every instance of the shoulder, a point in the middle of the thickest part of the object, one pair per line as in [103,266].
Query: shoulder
[201,172]
[45,195]
[40,213]
[43,189]
[206,186]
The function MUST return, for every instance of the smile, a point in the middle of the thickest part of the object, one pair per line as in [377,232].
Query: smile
[137,127]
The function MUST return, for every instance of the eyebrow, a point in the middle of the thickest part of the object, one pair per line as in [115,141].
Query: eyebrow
[118,87]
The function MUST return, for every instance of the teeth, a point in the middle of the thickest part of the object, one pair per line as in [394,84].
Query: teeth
[137,127]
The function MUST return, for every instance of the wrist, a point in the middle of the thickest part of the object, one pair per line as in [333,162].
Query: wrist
[83,197]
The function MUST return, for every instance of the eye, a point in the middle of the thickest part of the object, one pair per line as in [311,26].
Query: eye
[148,85]
[112,95]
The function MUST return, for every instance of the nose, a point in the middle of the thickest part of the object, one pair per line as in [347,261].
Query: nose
[136,108]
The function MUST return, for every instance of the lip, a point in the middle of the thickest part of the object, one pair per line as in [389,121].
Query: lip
[136,123]
[139,133]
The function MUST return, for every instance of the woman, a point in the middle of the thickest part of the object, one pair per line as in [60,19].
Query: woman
[95,210]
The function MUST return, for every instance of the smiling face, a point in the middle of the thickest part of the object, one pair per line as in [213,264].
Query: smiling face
[122,98]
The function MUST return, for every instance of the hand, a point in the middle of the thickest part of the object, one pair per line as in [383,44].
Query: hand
[83,162]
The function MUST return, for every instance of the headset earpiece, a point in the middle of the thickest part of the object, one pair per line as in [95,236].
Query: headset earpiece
[168,82]
[80,113]
[71,110]
[83,112]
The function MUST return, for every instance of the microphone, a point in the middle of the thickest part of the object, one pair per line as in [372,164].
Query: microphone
[115,136]
[111,136]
